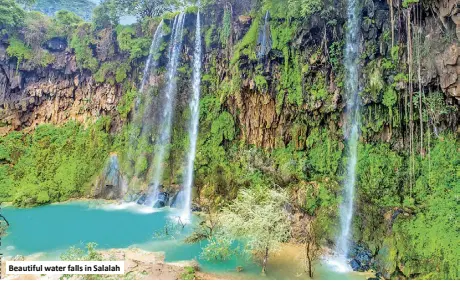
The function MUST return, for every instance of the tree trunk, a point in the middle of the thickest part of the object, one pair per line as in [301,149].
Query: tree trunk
[308,258]
[264,264]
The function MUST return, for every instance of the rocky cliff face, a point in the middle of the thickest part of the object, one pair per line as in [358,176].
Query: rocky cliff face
[267,118]
[448,70]
[31,95]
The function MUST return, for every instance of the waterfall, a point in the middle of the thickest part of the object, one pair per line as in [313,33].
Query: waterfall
[164,133]
[351,131]
[193,126]
[151,60]
[264,38]
[150,67]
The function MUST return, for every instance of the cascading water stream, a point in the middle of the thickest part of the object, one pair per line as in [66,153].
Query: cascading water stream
[152,62]
[150,67]
[351,131]
[164,133]
[264,39]
[193,127]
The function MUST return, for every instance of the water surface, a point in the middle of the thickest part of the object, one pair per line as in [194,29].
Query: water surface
[51,230]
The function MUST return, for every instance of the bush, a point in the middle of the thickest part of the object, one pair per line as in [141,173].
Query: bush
[105,15]
[82,40]
[65,23]
[126,104]
[19,50]
[11,15]
[53,163]
[127,41]
[36,26]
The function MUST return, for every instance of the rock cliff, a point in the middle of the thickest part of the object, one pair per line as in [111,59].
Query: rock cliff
[32,95]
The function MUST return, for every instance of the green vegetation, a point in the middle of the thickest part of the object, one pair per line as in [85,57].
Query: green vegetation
[66,22]
[81,44]
[292,8]
[226,28]
[112,72]
[53,163]
[257,217]
[82,8]
[127,41]
[406,202]
[11,15]
[189,273]
[78,254]
[18,50]
[247,46]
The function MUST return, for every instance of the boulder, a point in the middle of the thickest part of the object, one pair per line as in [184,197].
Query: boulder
[142,199]
[177,200]
[362,259]
[355,265]
[162,200]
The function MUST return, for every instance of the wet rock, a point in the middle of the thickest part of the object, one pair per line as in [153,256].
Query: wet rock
[362,259]
[355,265]
[111,185]
[131,197]
[176,201]
[381,17]
[162,200]
[196,208]
[142,199]
[369,8]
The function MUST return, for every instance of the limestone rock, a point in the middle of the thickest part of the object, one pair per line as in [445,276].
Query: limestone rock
[448,69]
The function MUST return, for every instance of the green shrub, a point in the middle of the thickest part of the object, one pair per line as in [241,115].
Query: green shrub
[52,164]
[128,41]
[223,128]
[36,29]
[19,50]
[126,103]
[188,274]
[64,24]
[247,46]
[82,40]
[226,29]
[208,38]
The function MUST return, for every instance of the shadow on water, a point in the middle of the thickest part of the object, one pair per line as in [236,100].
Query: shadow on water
[51,230]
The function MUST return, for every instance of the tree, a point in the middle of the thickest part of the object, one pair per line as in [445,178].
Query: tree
[4,224]
[258,219]
[106,14]
[36,28]
[306,233]
[144,8]
[66,22]
[11,15]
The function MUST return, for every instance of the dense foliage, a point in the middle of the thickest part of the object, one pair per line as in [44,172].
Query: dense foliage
[406,201]
[53,164]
